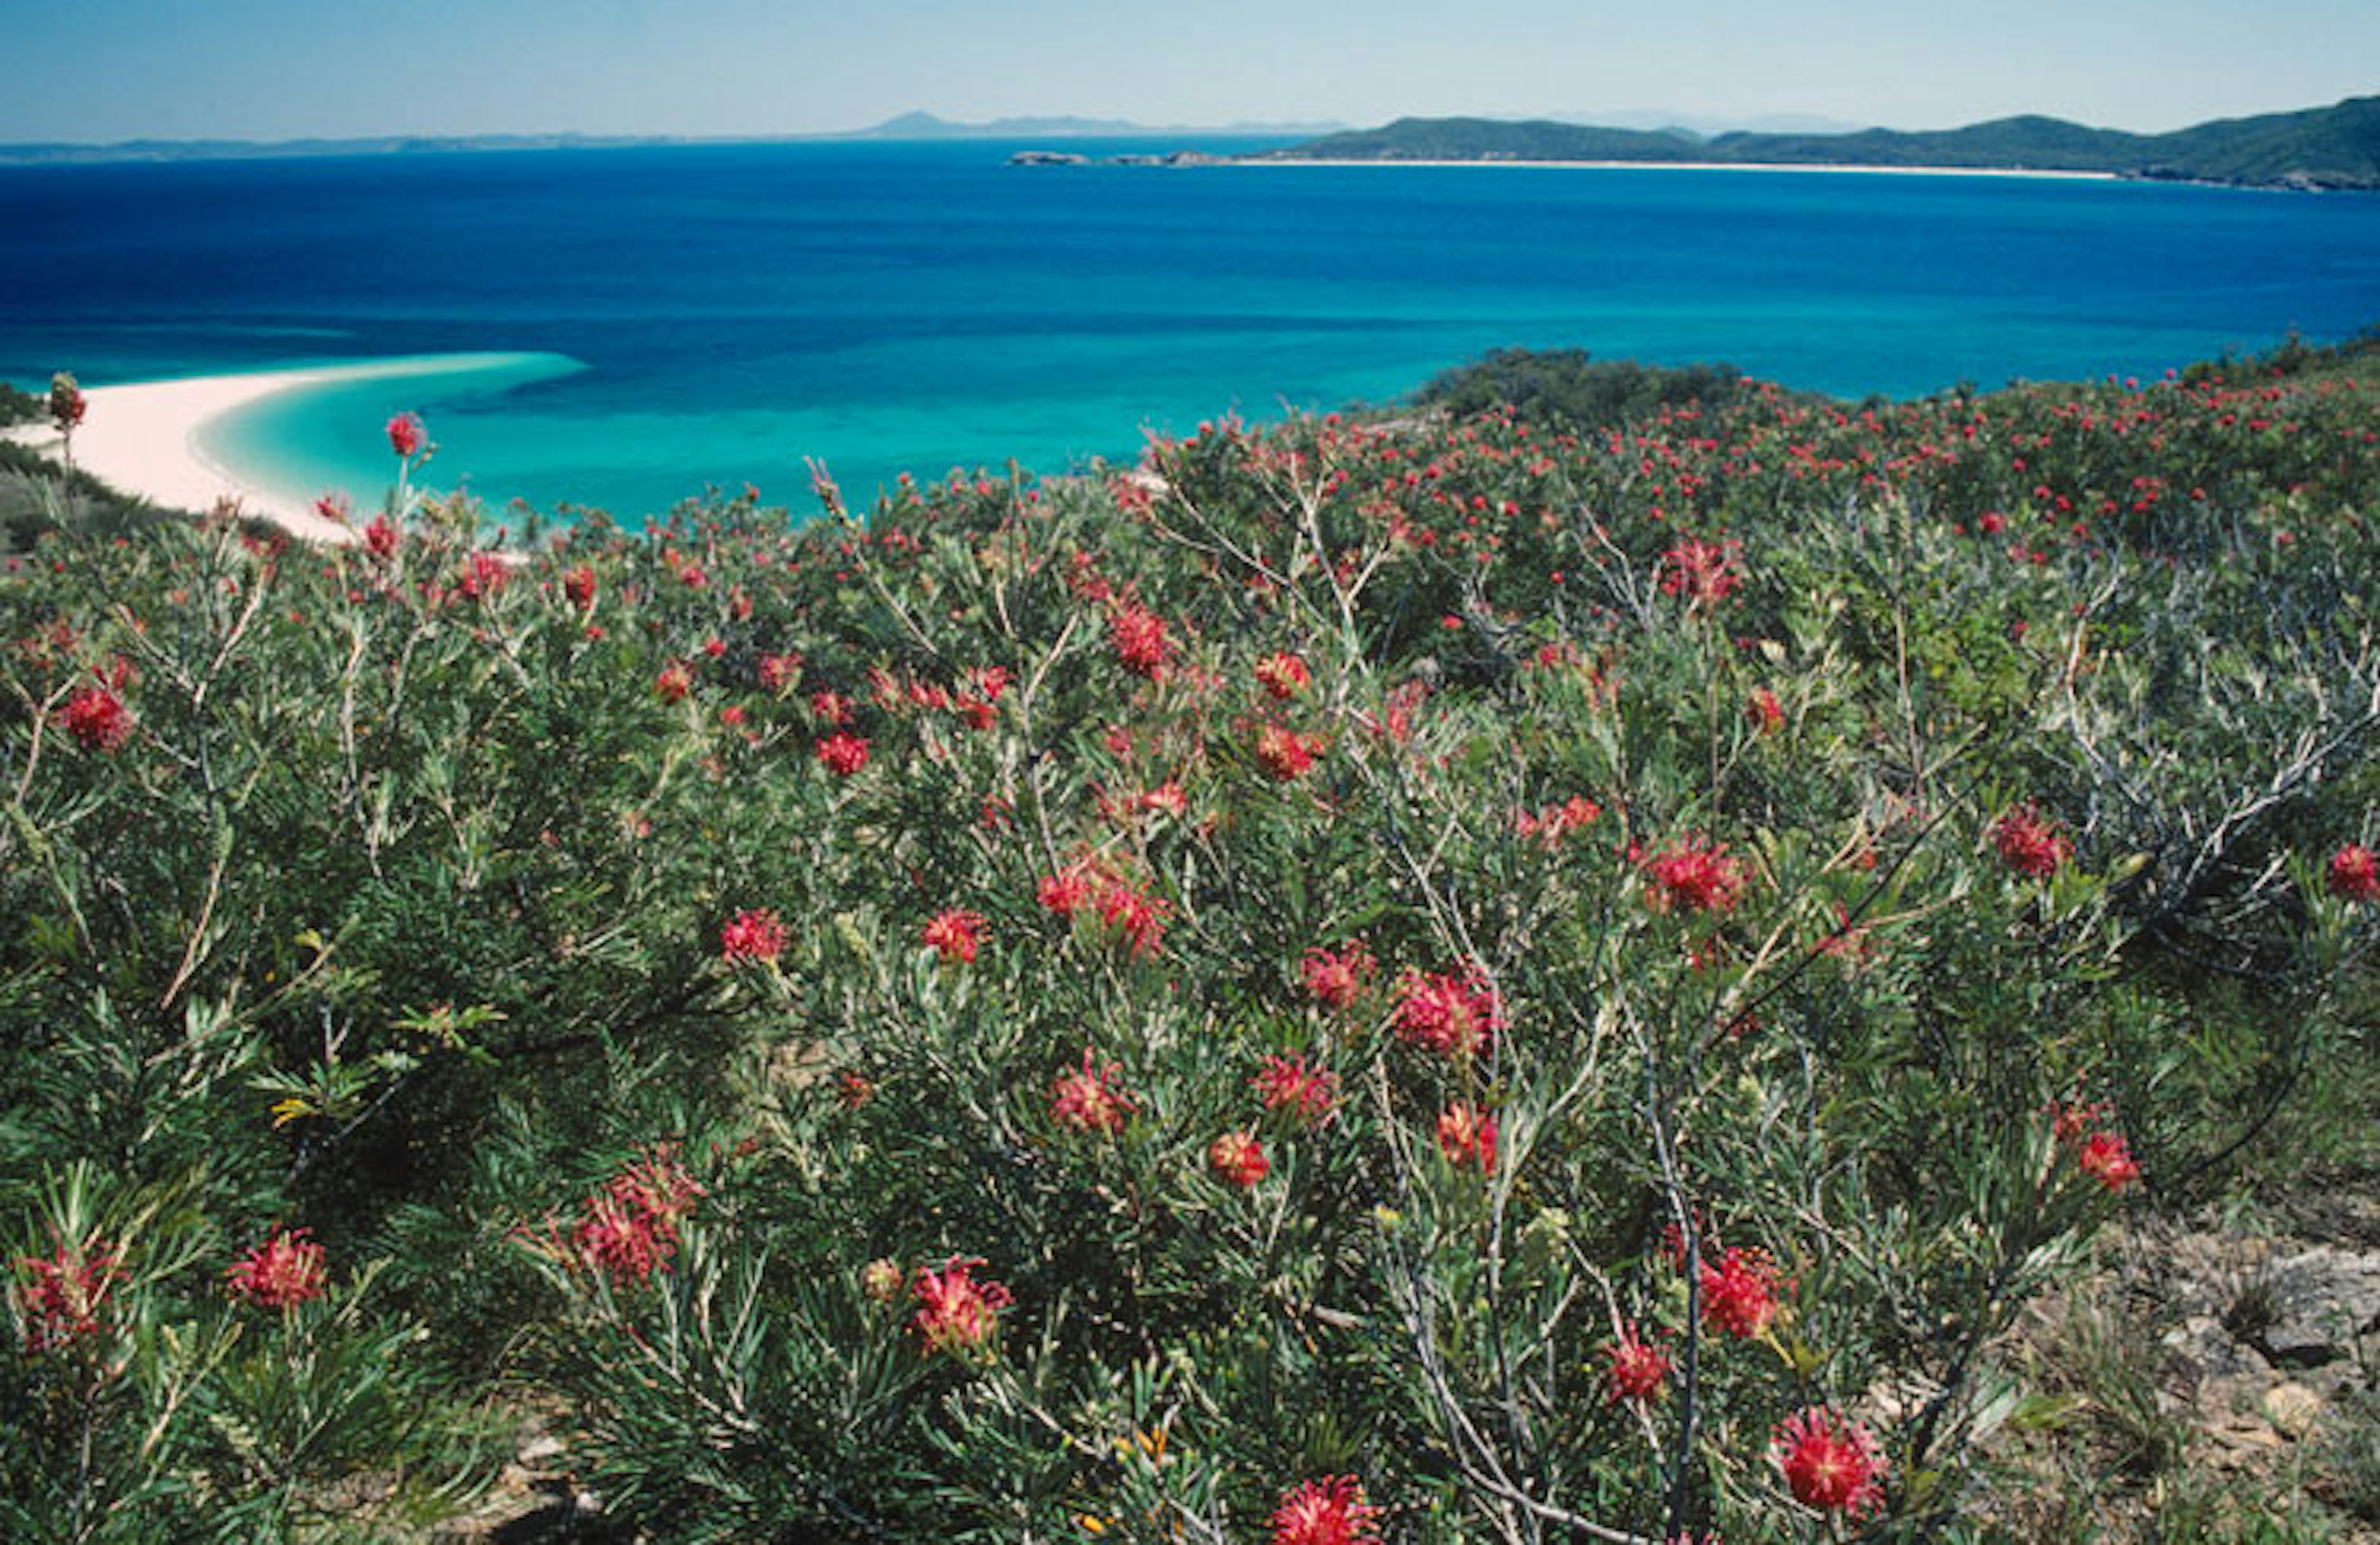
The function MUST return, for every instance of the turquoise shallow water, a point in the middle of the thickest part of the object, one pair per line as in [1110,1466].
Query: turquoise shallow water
[714,314]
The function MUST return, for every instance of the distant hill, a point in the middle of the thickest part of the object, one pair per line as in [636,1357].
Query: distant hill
[258,149]
[2320,148]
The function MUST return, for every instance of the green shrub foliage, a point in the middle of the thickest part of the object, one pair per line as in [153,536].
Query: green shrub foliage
[1440,980]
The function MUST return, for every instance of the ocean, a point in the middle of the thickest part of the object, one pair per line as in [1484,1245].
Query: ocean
[691,316]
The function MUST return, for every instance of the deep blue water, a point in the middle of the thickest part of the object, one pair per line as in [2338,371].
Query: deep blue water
[891,306]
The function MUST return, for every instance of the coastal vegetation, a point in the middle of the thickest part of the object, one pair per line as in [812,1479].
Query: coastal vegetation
[2337,147]
[1580,970]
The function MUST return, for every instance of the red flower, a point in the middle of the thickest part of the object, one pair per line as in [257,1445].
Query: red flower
[1284,754]
[1136,917]
[831,708]
[2355,873]
[1639,1367]
[1765,712]
[1138,637]
[1739,1294]
[2030,844]
[98,719]
[1830,1462]
[853,1089]
[484,575]
[956,1313]
[751,935]
[954,935]
[1456,1016]
[1326,1512]
[1309,1094]
[64,1294]
[1554,823]
[284,1272]
[629,1230]
[842,754]
[1238,1160]
[1467,1134]
[579,586]
[1701,571]
[1336,980]
[2107,1157]
[1282,675]
[407,434]
[382,537]
[1690,878]
[777,671]
[1065,892]
[1087,1100]
[675,682]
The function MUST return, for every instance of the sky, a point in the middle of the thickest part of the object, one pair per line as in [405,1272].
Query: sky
[102,70]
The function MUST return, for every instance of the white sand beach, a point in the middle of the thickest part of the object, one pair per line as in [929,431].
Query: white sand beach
[147,437]
[1700,166]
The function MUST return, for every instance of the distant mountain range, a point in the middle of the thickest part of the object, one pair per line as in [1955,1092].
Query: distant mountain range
[2335,147]
[925,126]
[908,125]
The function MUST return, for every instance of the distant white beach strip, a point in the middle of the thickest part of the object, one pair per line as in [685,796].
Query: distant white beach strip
[1693,166]
[148,438]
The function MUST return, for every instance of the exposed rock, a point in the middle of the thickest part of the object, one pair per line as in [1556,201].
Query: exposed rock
[2320,1301]
[2292,1408]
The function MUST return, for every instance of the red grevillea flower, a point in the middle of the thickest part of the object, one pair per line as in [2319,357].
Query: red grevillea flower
[1703,572]
[1739,1292]
[1308,1094]
[1548,826]
[956,1314]
[2355,873]
[776,671]
[1454,1016]
[751,935]
[1134,915]
[1689,877]
[2107,1159]
[1138,635]
[2030,844]
[1336,980]
[1282,675]
[383,537]
[832,709]
[954,935]
[1765,712]
[1237,1159]
[1284,754]
[629,1230]
[1830,1462]
[407,434]
[98,719]
[1066,892]
[579,586]
[62,1295]
[484,575]
[1640,1368]
[1467,1135]
[1326,1512]
[284,1272]
[675,680]
[1087,1100]
[844,754]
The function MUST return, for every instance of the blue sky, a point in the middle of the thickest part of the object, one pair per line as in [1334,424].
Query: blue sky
[112,69]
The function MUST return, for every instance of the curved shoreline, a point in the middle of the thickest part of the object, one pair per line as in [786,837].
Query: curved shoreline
[148,438]
[1687,166]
